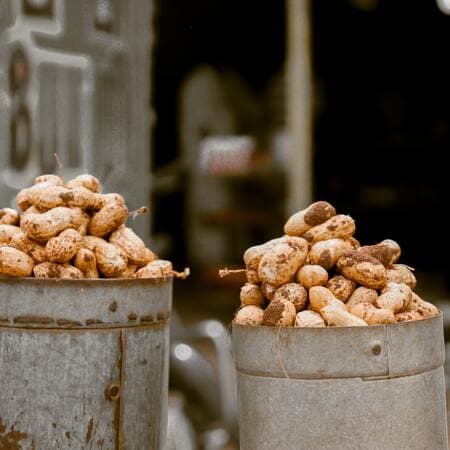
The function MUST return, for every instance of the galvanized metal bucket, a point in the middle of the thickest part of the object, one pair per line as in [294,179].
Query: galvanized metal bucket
[378,387]
[84,363]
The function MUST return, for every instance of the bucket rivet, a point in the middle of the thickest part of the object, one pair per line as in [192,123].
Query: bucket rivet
[376,349]
[113,392]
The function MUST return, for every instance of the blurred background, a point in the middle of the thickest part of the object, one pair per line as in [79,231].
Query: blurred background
[225,117]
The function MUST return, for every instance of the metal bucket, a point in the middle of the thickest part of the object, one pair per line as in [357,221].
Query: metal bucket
[378,387]
[84,363]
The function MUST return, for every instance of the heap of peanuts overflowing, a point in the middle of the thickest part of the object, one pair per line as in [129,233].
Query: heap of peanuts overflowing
[72,230]
[319,275]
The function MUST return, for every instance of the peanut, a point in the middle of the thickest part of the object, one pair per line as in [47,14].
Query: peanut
[32,248]
[425,309]
[362,269]
[396,297]
[279,314]
[156,269]
[326,253]
[129,271]
[251,295]
[341,287]
[7,232]
[249,315]
[312,275]
[302,221]
[338,317]
[280,263]
[339,226]
[86,261]
[372,315]
[54,270]
[81,197]
[108,219]
[294,293]
[62,248]
[268,290]
[309,319]
[86,181]
[400,273]
[319,297]
[111,262]
[47,198]
[114,198]
[387,252]
[253,256]
[408,316]
[15,263]
[49,179]
[362,294]
[9,216]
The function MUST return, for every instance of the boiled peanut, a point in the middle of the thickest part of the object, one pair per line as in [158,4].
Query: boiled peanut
[336,316]
[408,316]
[326,253]
[372,315]
[87,181]
[362,269]
[341,287]
[396,297]
[387,252]
[32,248]
[294,293]
[49,179]
[47,198]
[309,319]
[251,295]
[114,198]
[253,256]
[280,263]
[362,294]
[155,269]
[249,315]
[54,270]
[312,275]
[268,290]
[111,262]
[7,232]
[279,314]
[340,226]
[425,309]
[302,221]
[129,271]
[9,216]
[108,219]
[80,197]
[62,248]
[86,261]
[320,296]
[15,263]
[400,273]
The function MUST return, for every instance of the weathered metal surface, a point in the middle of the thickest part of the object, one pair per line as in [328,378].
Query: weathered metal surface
[378,387]
[55,303]
[85,388]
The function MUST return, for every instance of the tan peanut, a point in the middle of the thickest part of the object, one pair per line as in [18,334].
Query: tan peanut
[7,232]
[129,271]
[113,198]
[15,263]
[408,316]
[253,256]
[395,297]
[372,315]
[387,252]
[9,216]
[279,314]
[86,261]
[108,219]
[54,270]
[312,275]
[49,179]
[268,290]
[43,227]
[251,295]
[341,287]
[294,293]
[326,253]
[302,221]
[362,269]
[338,317]
[62,248]
[81,197]
[132,245]
[425,309]
[362,294]
[84,223]
[48,198]
[155,269]
[281,262]
[249,315]
[340,226]
[32,248]
[320,296]
[400,273]
[309,319]
[111,262]
[86,181]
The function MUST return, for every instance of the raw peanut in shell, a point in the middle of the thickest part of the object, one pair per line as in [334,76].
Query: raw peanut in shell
[372,315]
[399,273]
[55,270]
[362,269]
[36,251]
[86,261]
[132,245]
[280,263]
[15,263]
[387,252]
[113,198]
[108,219]
[338,317]
[251,295]
[84,223]
[268,290]
[396,297]
[340,226]
[91,242]
[9,216]
[309,319]
[425,309]
[48,198]
[302,221]
[80,197]
[253,255]
[326,253]
[111,262]
[312,275]
[156,269]
[43,227]
[249,315]
[49,179]
[62,248]
[320,296]
[7,232]
[294,293]
[129,271]
[279,314]
[408,316]
[341,287]
[87,181]
[31,210]
[362,294]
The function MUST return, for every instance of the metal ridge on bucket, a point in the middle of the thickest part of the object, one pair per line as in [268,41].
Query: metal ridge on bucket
[377,351]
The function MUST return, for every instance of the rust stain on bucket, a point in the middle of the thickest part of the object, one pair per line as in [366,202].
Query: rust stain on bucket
[9,439]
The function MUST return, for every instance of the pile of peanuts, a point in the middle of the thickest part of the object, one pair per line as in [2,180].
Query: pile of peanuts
[319,275]
[72,230]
